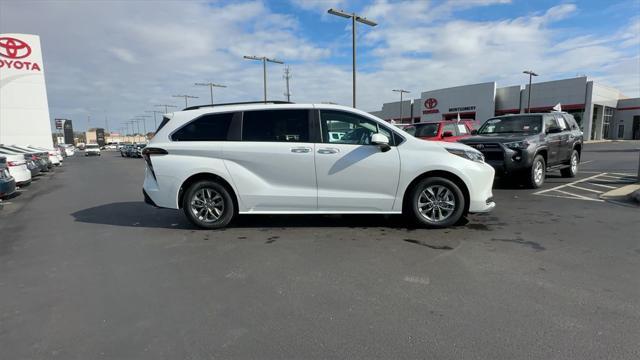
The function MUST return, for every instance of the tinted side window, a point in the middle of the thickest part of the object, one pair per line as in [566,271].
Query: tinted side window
[450,127]
[276,125]
[571,121]
[549,122]
[340,127]
[212,127]
[563,125]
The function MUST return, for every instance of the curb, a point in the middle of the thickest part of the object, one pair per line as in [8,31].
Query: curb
[630,193]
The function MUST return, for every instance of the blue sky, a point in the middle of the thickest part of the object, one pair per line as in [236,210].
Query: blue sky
[117,59]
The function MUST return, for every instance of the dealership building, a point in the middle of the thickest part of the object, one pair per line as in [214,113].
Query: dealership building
[602,112]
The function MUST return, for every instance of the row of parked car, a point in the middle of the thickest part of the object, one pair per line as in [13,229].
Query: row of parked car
[522,147]
[131,150]
[19,164]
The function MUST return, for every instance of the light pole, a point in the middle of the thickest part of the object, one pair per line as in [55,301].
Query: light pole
[166,107]
[135,121]
[401,91]
[211,86]
[287,77]
[186,105]
[144,118]
[354,17]
[531,75]
[155,125]
[264,60]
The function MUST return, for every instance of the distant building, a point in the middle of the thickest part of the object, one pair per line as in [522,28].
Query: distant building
[95,136]
[602,112]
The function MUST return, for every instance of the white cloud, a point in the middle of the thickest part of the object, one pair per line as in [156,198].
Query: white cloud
[122,58]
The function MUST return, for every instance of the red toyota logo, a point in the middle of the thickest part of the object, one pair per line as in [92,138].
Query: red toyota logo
[430,103]
[14,48]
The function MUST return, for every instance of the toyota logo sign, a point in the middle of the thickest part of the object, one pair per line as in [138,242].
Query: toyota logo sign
[430,103]
[13,48]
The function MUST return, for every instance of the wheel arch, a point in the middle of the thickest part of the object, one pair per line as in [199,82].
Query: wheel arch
[206,176]
[443,174]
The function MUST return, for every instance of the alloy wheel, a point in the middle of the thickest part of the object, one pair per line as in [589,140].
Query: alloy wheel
[538,172]
[207,205]
[436,203]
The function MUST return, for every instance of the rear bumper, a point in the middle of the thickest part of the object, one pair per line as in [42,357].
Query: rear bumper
[147,199]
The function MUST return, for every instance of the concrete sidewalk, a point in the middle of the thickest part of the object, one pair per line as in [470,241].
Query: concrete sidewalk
[626,193]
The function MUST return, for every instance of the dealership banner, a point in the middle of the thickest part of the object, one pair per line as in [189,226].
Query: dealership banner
[24,108]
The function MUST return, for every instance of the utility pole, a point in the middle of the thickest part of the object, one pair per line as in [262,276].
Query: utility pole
[531,74]
[354,18]
[287,76]
[166,107]
[155,125]
[264,60]
[211,86]
[401,91]
[186,104]
[143,118]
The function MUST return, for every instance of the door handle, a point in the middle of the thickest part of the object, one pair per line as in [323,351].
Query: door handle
[328,151]
[300,150]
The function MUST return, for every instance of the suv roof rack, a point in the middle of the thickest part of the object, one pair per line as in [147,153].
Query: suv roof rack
[237,103]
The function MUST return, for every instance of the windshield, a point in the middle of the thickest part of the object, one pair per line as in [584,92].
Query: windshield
[92,146]
[512,124]
[423,130]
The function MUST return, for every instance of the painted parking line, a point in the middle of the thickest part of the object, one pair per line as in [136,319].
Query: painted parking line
[589,188]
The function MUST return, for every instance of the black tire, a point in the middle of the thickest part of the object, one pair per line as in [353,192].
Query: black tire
[429,191]
[572,170]
[536,175]
[208,220]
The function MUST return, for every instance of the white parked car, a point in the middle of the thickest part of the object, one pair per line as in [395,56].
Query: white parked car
[216,162]
[92,149]
[17,166]
[53,157]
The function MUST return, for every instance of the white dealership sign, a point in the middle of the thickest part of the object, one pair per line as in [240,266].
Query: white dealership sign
[24,109]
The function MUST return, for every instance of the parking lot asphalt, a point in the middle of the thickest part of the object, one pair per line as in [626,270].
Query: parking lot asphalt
[88,271]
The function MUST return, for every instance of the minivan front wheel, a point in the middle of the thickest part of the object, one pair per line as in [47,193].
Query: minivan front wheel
[437,202]
[208,204]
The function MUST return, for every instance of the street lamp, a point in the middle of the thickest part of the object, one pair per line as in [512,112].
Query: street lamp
[354,17]
[166,107]
[211,86]
[264,60]
[531,74]
[186,105]
[401,91]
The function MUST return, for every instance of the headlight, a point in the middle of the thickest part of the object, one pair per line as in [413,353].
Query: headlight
[517,145]
[467,154]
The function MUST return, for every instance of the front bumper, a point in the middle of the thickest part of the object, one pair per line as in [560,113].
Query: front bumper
[504,160]
[7,187]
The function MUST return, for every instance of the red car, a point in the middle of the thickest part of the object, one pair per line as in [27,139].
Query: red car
[446,130]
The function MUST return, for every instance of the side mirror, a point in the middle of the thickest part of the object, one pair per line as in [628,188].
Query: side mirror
[447,134]
[382,141]
[474,132]
[554,130]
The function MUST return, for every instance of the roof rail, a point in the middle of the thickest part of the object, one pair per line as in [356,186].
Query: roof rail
[237,103]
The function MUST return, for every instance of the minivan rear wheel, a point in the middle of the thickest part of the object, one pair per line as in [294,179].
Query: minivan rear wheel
[437,202]
[208,204]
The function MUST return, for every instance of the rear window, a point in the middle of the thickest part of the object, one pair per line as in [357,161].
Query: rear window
[276,125]
[212,127]
[164,122]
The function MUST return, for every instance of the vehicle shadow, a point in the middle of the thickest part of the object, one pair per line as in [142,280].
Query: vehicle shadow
[139,214]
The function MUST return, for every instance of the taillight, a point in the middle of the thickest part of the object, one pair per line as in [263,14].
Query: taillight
[146,155]
[12,163]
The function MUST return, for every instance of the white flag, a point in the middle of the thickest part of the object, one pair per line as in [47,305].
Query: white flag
[558,107]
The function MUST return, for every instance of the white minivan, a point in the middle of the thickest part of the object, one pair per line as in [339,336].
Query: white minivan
[218,161]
